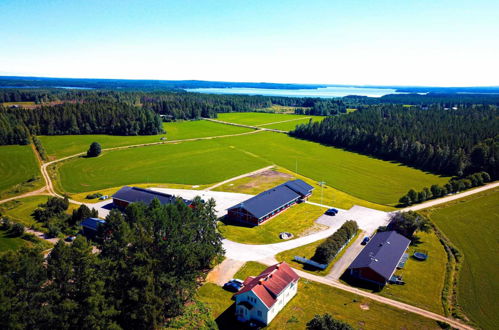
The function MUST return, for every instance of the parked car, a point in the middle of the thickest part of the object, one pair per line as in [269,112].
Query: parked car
[365,240]
[331,212]
[236,280]
[232,286]
[70,238]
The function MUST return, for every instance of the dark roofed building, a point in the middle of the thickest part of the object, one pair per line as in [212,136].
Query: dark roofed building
[378,261]
[90,226]
[269,203]
[127,195]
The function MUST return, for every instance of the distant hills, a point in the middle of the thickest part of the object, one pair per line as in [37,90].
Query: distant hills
[162,85]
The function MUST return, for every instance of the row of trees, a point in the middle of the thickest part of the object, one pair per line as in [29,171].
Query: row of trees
[16,125]
[150,262]
[436,191]
[407,223]
[324,107]
[328,249]
[451,142]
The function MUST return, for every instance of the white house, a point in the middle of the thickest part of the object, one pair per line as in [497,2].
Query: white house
[265,295]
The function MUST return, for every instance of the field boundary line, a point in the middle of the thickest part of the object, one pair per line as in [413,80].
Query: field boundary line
[247,126]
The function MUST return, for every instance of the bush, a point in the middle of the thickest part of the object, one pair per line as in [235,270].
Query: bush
[327,322]
[6,224]
[94,196]
[328,249]
[94,150]
[54,230]
[17,229]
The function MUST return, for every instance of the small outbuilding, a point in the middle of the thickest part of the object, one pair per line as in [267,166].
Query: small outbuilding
[377,262]
[90,227]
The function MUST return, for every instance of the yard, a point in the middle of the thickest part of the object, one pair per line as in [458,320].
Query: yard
[315,298]
[19,171]
[424,279]
[58,146]
[11,243]
[298,220]
[471,224]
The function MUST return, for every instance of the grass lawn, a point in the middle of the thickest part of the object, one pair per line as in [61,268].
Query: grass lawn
[193,163]
[18,166]
[9,243]
[257,118]
[308,252]
[298,220]
[58,146]
[255,184]
[361,176]
[20,210]
[315,298]
[424,279]
[471,224]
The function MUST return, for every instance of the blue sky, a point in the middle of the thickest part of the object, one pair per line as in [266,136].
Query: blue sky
[402,42]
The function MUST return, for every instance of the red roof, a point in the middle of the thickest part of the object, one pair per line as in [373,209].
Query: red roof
[270,283]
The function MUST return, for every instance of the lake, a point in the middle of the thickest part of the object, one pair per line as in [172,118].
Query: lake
[326,92]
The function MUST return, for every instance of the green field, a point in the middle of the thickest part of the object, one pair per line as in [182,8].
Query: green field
[257,118]
[297,220]
[471,224]
[58,146]
[315,298]
[290,125]
[211,161]
[18,165]
[7,242]
[20,210]
[198,162]
[364,177]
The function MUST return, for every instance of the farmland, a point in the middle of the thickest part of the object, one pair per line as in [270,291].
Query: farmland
[211,161]
[20,210]
[315,298]
[58,146]
[258,118]
[471,224]
[290,125]
[296,220]
[198,162]
[18,170]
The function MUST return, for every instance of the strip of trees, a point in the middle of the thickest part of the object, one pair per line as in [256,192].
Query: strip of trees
[151,261]
[450,142]
[453,186]
[328,249]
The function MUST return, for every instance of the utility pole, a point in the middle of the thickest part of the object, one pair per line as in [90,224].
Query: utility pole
[322,183]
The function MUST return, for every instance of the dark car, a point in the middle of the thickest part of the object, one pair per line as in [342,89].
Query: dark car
[331,212]
[70,238]
[232,286]
[365,240]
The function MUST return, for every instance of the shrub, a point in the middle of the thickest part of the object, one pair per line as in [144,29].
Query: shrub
[6,224]
[94,196]
[17,229]
[328,249]
[94,150]
[327,322]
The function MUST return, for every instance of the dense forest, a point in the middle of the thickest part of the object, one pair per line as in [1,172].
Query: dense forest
[151,260]
[451,142]
[116,118]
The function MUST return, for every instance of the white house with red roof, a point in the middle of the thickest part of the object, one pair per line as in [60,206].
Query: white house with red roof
[264,296]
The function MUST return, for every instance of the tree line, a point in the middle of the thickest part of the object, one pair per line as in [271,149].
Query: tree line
[453,186]
[451,142]
[16,125]
[150,262]
[328,249]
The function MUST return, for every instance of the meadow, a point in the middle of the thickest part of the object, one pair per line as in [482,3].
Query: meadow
[315,298]
[471,225]
[20,210]
[290,125]
[58,146]
[258,118]
[211,161]
[18,166]
[297,220]
[196,162]
[364,177]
